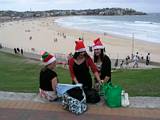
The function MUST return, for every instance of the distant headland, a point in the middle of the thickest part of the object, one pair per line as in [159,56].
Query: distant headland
[15,15]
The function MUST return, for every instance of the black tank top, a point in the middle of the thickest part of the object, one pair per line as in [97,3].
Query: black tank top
[83,75]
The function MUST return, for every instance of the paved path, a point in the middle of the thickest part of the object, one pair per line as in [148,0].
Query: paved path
[34,56]
[28,106]
[29,110]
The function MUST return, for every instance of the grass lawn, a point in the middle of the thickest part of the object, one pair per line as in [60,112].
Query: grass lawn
[139,82]
[22,75]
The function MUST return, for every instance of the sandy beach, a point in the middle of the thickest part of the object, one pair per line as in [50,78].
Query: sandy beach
[34,35]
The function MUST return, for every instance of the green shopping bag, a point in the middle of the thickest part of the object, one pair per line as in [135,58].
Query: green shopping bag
[112,95]
[102,88]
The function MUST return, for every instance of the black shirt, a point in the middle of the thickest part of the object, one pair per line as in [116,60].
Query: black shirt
[83,75]
[106,68]
[46,75]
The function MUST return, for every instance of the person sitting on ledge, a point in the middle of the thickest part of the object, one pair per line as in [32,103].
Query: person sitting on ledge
[48,78]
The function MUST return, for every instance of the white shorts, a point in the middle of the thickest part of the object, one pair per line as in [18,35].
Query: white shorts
[49,95]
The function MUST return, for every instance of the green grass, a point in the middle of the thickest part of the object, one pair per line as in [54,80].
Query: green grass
[139,82]
[16,74]
[22,75]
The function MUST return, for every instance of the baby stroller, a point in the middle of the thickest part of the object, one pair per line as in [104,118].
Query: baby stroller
[73,97]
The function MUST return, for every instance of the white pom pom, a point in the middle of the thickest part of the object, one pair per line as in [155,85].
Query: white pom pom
[42,52]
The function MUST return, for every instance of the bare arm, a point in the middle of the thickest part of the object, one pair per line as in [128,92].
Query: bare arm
[72,71]
[54,83]
[106,79]
[75,80]
[97,77]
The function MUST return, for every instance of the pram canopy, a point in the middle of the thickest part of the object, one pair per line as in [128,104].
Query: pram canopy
[63,88]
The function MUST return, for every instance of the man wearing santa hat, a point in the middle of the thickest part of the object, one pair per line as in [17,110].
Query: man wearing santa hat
[79,67]
[48,77]
[102,61]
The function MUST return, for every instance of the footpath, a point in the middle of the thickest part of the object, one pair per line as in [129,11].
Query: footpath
[29,106]
[135,102]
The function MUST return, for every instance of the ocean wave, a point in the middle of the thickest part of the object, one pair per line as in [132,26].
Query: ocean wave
[143,29]
[143,22]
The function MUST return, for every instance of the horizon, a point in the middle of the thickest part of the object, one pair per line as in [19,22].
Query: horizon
[149,6]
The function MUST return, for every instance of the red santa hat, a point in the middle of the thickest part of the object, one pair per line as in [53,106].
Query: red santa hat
[47,58]
[97,44]
[79,46]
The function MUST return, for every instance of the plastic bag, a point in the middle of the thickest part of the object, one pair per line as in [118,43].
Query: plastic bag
[102,89]
[92,96]
[112,95]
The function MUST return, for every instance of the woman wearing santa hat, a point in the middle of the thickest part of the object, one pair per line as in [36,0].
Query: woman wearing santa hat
[48,77]
[79,67]
[102,61]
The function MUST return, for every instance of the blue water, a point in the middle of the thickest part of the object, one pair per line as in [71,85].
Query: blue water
[144,27]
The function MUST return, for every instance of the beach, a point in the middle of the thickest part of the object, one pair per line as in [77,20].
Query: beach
[34,35]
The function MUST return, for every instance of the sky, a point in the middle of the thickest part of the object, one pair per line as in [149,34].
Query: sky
[148,6]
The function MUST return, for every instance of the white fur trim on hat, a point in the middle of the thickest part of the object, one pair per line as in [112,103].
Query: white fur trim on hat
[98,47]
[81,50]
[51,60]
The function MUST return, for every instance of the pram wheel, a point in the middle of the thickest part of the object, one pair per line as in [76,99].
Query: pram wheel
[65,107]
[84,107]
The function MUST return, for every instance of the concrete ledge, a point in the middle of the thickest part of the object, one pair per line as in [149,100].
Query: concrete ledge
[135,102]
[144,102]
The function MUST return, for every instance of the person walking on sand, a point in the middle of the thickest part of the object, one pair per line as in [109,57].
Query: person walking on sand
[148,59]
[135,60]
[18,50]
[48,78]
[21,51]
[102,62]
[1,46]
[116,63]
[15,50]
[127,62]
[121,64]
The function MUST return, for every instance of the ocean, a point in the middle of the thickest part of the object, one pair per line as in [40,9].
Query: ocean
[143,27]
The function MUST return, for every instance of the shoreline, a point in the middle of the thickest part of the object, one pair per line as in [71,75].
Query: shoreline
[152,40]
[122,41]
[47,35]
